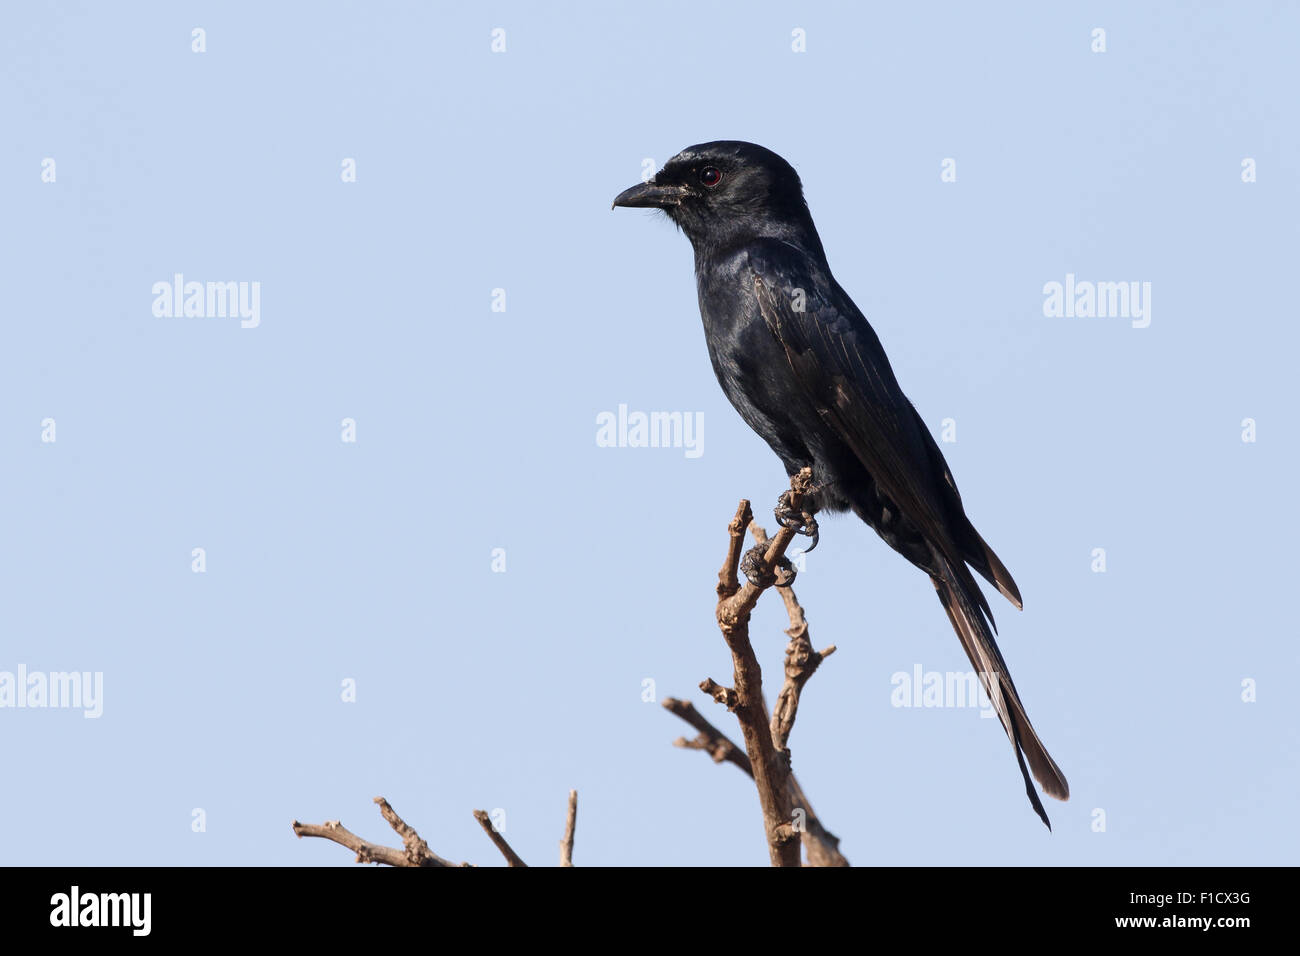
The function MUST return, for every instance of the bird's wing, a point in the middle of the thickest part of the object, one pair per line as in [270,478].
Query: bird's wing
[842,367]
[837,356]
[975,549]
[840,364]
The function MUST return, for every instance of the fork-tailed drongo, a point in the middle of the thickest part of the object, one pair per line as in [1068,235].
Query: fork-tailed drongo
[804,369]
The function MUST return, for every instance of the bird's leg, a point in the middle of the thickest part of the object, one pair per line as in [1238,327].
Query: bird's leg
[797,519]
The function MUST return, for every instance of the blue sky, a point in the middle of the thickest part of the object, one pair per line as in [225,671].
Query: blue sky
[371,561]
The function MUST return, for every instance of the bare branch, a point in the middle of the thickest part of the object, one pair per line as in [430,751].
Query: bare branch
[485,821]
[801,661]
[770,768]
[710,738]
[416,852]
[416,848]
[725,696]
[728,584]
[767,757]
[570,823]
[822,845]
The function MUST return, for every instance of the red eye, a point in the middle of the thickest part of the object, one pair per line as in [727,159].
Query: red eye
[710,176]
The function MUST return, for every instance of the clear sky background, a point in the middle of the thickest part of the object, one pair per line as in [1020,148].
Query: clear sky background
[372,561]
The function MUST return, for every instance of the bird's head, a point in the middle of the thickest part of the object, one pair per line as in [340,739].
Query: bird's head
[725,191]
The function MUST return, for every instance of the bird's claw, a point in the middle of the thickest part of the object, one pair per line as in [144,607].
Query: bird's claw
[753,565]
[798,520]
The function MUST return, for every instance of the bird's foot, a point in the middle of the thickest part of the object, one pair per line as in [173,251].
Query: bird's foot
[753,565]
[798,520]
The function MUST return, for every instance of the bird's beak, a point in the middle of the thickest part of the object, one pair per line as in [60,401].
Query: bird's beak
[651,195]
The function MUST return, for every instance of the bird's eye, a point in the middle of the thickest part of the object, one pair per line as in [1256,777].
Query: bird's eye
[710,176]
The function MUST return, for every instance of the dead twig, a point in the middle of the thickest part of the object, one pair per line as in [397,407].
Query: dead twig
[570,823]
[801,661]
[766,755]
[769,767]
[710,739]
[821,844]
[415,853]
[485,821]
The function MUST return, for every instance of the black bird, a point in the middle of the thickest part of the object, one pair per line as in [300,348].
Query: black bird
[803,368]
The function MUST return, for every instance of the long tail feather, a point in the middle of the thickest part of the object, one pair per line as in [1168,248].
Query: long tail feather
[954,587]
[996,573]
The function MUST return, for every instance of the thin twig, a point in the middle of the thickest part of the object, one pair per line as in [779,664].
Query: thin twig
[570,823]
[416,852]
[485,821]
[801,661]
[728,583]
[710,739]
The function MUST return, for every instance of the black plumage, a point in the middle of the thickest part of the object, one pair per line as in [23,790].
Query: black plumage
[806,371]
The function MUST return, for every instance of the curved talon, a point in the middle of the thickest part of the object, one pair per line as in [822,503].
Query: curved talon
[753,565]
[786,572]
[788,519]
[797,520]
[816,535]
